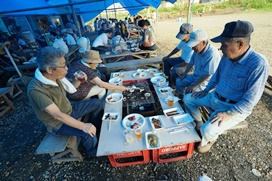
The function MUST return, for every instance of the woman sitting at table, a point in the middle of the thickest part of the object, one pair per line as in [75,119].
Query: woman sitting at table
[93,85]
[148,41]
[118,42]
[124,31]
[101,71]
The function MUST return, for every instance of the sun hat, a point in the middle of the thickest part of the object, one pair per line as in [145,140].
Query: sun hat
[184,31]
[92,56]
[196,37]
[63,31]
[235,29]
[69,30]
[83,44]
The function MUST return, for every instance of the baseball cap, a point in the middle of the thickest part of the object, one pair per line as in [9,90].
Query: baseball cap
[63,31]
[196,37]
[184,31]
[235,29]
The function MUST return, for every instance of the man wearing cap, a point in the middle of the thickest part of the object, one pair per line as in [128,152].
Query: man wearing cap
[205,60]
[59,44]
[68,38]
[174,67]
[236,86]
[47,95]
[93,85]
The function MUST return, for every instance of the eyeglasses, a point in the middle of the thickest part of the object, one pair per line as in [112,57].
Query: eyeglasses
[61,66]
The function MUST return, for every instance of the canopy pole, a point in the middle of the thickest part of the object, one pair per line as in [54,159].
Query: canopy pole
[75,18]
[114,9]
[12,61]
[106,10]
[189,11]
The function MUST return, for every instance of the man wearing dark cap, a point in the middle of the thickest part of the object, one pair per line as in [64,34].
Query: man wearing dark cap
[173,67]
[236,86]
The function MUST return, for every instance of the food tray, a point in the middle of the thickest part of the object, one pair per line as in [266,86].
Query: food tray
[116,81]
[116,74]
[137,122]
[156,122]
[183,119]
[165,90]
[173,112]
[114,98]
[139,75]
[148,146]
[157,79]
[110,116]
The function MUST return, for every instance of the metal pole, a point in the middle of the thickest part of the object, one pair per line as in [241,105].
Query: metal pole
[12,61]
[114,9]
[106,10]
[75,18]
[189,11]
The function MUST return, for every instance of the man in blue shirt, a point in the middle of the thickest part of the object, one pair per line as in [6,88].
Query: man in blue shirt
[205,60]
[174,67]
[236,86]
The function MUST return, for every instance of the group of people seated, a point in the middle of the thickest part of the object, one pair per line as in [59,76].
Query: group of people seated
[230,86]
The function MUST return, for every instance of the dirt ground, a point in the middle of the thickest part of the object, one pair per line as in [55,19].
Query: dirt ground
[233,157]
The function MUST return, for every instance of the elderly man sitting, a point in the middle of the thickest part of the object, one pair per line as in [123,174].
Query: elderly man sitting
[47,95]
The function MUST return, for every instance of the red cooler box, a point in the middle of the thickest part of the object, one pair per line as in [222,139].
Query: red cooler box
[173,153]
[130,158]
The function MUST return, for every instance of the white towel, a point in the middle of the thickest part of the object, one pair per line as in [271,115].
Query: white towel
[68,86]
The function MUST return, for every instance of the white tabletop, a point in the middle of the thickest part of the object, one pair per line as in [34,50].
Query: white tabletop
[112,141]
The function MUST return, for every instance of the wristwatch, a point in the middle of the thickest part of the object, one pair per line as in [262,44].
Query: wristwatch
[230,112]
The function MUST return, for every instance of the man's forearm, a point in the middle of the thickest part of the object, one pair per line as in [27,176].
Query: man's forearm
[201,79]
[173,52]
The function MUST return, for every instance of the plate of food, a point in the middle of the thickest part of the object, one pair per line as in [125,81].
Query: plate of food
[107,53]
[183,119]
[116,74]
[139,75]
[116,81]
[156,122]
[152,140]
[110,116]
[165,90]
[157,79]
[153,70]
[135,49]
[133,121]
[159,74]
[173,112]
[114,98]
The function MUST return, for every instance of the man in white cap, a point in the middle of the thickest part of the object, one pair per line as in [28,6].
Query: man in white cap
[68,38]
[93,85]
[205,60]
[234,89]
[174,67]
[59,44]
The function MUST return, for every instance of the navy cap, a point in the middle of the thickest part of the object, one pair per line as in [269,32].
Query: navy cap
[235,29]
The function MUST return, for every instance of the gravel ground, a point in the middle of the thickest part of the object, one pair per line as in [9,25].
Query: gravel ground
[235,156]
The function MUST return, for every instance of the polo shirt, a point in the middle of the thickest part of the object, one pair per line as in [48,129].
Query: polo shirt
[187,51]
[100,40]
[42,95]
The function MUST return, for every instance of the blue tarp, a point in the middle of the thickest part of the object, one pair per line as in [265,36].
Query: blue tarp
[87,8]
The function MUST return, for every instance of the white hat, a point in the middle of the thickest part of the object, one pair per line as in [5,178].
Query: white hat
[83,44]
[196,37]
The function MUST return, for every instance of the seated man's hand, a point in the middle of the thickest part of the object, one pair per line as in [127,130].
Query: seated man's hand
[89,128]
[190,89]
[220,117]
[165,58]
[199,94]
